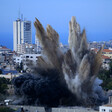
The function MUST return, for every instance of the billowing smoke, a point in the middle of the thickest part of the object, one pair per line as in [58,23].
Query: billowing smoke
[44,89]
[63,78]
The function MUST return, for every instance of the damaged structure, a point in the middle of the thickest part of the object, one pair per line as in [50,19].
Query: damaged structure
[59,78]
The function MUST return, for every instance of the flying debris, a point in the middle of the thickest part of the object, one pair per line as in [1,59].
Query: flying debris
[62,78]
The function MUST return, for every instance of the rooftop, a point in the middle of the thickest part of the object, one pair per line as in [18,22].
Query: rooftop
[104,50]
[3,48]
[107,50]
[105,57]
[108,105]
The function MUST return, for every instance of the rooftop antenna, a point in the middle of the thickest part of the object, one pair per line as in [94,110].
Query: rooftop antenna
[19,12]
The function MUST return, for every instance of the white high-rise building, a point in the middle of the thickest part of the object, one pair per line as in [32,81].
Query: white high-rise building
[39,46]
[22,33]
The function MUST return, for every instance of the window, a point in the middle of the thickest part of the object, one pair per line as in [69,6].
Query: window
[103,110]
[31,57]
[27,56]
[104,52]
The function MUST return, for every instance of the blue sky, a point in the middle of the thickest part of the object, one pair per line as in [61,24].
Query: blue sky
[93,15]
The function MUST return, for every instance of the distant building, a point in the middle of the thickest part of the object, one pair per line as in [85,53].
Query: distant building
[4,49]
[106,57]
[105,62]
[2,58]
[10,75]
[107,52]
[38,44]
[5,54]
[25,59]
[107,107]
[98,45]
[95,44]
[21,33]
[26,48]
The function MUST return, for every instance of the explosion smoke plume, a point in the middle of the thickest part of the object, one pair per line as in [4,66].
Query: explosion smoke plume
[74,71]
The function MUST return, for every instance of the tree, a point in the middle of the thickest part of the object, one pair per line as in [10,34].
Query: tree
[3,85]
[105,75]
[19,67]
[0,71]
[6,109]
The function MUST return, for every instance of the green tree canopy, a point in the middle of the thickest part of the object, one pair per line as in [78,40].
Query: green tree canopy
[3,85]
[106,76]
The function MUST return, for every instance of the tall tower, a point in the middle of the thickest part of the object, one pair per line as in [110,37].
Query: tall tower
[22,33]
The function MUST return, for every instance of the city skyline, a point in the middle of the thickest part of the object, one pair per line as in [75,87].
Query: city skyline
[95,16]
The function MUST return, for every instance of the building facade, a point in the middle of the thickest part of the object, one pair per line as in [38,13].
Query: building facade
[106,108]
[4,49]
[26,59]
[22,33]
[27,48]
[38,44]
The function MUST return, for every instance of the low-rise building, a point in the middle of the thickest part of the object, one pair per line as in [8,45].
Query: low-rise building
[25,59]
[106,57]
[26,48]
[10,76]
[2,58]
[38,44]
[106,108]
[107,52]
[105,62]
[4,49]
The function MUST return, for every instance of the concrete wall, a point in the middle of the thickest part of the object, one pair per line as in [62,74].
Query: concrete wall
[30,108]
[106,108]
[41,109]
[77,109]
[9,76]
